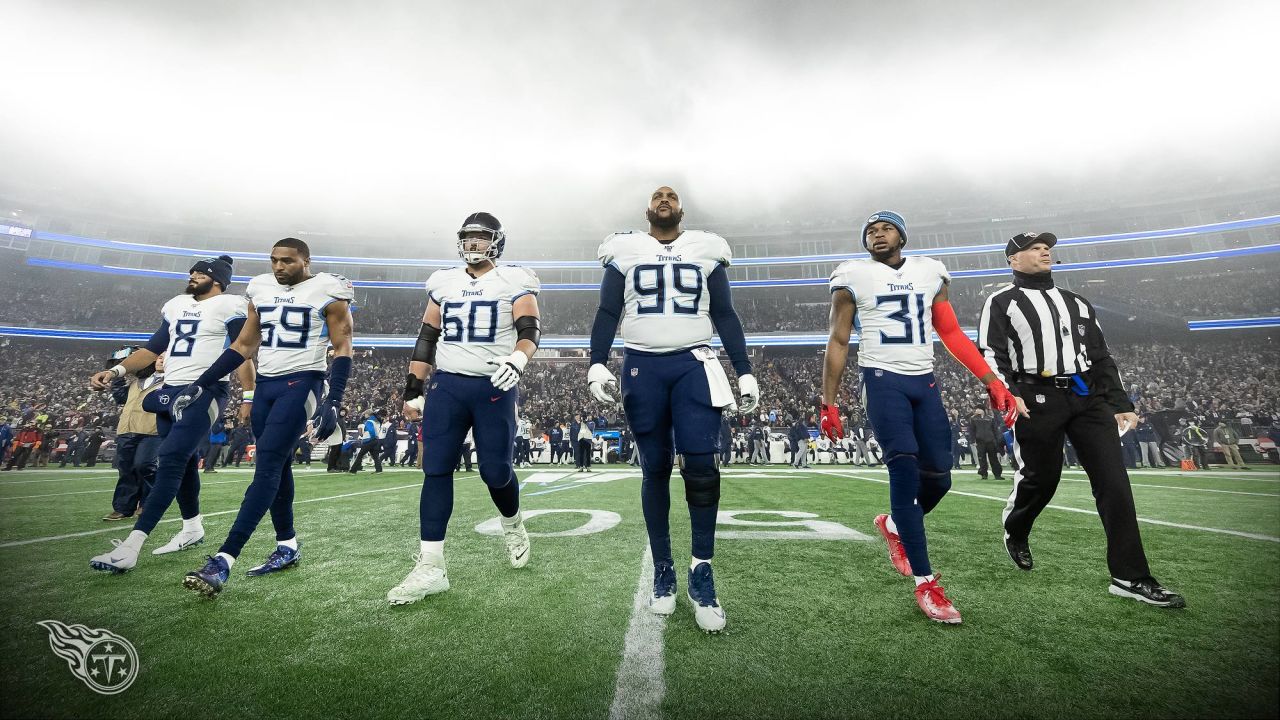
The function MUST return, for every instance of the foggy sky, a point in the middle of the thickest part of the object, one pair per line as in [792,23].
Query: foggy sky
[404,117]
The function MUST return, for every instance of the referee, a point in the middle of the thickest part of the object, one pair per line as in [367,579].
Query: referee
[1047,345]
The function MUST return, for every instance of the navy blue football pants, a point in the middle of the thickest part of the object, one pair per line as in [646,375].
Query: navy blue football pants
[178,466]
[914,433]
[455,404]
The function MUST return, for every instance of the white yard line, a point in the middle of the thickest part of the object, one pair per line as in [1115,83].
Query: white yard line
[109,490]
[1178,487]
[59,479]
[1150,521]
[641,685]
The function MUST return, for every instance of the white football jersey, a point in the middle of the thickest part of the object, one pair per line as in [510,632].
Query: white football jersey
[665,303]
[894,315]
[295,336]
[198,333]
[475,313]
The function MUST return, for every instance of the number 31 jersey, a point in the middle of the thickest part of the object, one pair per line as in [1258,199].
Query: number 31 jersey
[199,330]
[893,311]
[665,301]
[475,313]
[295,336]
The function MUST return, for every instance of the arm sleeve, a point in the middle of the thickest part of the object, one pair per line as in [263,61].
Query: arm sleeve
[605,327]
[234,326]
[993,341]
[1103,371]
[159,341]
[725,318]
[956,342]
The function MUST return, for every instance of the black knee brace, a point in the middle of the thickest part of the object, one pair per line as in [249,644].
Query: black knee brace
[701,480]
[495,475]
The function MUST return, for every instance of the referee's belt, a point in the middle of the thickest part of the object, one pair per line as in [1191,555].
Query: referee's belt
[1061,382]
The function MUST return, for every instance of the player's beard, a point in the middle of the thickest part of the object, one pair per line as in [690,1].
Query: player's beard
[883,255]
[201,288]
[666,223]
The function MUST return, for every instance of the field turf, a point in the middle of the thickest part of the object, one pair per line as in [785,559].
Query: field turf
[819,623]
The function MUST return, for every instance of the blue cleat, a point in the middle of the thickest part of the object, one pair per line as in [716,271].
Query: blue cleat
[281,558]
[208,580]
[702,593]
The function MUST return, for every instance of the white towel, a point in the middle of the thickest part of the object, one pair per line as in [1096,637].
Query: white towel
[721,392]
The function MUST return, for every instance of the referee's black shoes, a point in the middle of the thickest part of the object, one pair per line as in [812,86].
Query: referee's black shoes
[1147,590]
[1019,553]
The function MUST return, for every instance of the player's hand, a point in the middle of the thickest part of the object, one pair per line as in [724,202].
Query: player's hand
[102,381]
[830,424]
[325,421]
[184,399]
[412,409]
[1006,404]
[601,382]
[1125,421]
[748,393]
[509,370]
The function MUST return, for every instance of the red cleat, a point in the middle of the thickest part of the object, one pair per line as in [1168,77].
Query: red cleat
[933,601]
[897,553]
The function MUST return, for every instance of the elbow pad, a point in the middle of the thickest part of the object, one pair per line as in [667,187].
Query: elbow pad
[528,328]
[425,349]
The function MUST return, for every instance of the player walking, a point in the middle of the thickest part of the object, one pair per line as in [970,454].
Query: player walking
[479,331]
[894,302]
[669,287]
[194,329]
[293,318]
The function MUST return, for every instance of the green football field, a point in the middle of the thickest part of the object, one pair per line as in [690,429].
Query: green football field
[819,623]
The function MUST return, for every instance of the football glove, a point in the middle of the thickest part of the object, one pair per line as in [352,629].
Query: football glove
[601,382]
[1002,401]
[748,393]
[830,424]
[184,399]
[509,370]
[325,420]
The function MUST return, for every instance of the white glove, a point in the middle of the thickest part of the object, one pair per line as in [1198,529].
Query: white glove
[601,382]
[509,370]
[417,404]
[748,393]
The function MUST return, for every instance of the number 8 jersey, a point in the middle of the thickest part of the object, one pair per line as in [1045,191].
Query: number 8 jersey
[475,315]
[198,331]
[295,336]
[893,311]
[665,301]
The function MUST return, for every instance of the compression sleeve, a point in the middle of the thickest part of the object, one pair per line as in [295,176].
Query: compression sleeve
[605,327]
[339,371]
[956,342]
[159,341]
[725,318]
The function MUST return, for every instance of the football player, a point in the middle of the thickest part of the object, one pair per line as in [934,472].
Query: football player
[896,304]
[479,331]
[670,289]
[294,316]
[194,328]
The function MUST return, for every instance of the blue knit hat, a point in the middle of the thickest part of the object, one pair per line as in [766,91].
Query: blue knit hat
[890,217]
[218,268]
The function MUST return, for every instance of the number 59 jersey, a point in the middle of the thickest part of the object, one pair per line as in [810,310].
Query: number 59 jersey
[199,330]
[295,336]
[893,311]
[665,301]
[475,313]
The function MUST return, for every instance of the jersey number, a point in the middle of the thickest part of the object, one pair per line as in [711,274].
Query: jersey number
[289,329]
[912,326]
[651,282]
[481,321]
[184,338]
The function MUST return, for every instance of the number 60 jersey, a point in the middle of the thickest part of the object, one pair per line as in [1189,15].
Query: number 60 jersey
[665,301]
[295,336]
[894,315]
[475,315]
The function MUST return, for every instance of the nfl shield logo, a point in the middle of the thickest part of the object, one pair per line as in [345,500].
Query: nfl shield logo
[879,372]
[1040,399]
[1080,328]
[635,372]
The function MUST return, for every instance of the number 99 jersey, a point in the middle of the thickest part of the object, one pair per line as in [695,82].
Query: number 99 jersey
[894,315]
[665,301]
[295,336]
[475,315]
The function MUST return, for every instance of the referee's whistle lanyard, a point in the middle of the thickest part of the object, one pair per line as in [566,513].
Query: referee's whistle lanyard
[1044,281]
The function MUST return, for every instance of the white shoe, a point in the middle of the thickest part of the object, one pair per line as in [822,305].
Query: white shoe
[428,577]
[122,559]
[517,539]
[183,540]
[702,593]
[662,601]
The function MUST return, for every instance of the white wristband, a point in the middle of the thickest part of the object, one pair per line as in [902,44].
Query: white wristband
[118,371]
[246,395]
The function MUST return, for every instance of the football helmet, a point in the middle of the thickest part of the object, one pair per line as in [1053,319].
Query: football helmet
[485,223]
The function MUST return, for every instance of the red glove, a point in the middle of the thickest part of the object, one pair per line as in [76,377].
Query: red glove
[830,424]
[1003,401]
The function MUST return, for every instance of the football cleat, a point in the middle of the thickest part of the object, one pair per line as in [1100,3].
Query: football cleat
[183,540]
[122,559]
[1147,590]
[281,558]
[932,599]
[1019,552]
[897,553]
[663,600]
[210,579]
[517,539]
[702,593]
[428,577]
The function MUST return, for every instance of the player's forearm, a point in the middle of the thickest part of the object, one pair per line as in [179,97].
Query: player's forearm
[603,330]
[833,364]
[247,376]
[138,360]
[419,369]
[959,344]
[527,347]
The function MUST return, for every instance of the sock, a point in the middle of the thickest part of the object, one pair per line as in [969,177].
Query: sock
[891,525]
[230,560]
[695,562]
[433,547]
[135,540]
[922,579]
[509,523]
[291,543]
[193,524]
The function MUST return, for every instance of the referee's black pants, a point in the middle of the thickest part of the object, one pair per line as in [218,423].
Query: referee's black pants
[1091,425]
